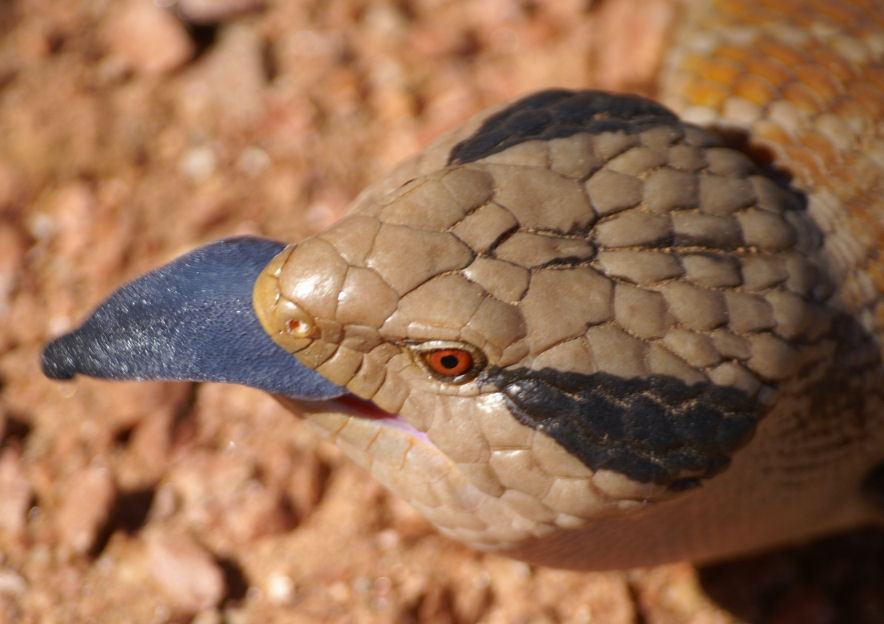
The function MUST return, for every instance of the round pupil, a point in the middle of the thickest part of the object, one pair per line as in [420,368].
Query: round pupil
[449,361]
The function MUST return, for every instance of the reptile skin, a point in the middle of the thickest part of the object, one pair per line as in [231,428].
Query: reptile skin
[662,335]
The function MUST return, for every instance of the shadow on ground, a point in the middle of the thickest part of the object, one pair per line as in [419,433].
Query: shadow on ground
[839,580]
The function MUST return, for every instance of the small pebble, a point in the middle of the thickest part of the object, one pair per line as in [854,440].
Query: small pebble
[12,584]
[10,184]
[12,258]
[198,164]
[211,616]
[253,161]
[339,592]
[280,588]
[389,539]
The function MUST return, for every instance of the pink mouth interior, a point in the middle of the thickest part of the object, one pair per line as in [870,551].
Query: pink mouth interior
[352,404]
[366,409]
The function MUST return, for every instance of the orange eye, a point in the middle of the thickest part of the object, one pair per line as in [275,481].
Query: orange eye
[450,362]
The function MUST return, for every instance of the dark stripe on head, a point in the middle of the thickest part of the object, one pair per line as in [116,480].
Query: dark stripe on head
[559,114]
[653,430]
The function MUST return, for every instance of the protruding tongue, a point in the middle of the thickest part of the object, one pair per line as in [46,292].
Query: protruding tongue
[190,320]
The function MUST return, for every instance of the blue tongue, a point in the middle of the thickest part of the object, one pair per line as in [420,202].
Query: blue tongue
[190,320]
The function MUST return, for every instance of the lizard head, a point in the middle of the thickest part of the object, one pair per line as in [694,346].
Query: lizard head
[580,312]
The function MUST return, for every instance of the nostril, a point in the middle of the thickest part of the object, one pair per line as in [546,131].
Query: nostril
[299,328]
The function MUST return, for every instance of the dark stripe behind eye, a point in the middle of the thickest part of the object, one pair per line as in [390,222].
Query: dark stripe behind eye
[655,429]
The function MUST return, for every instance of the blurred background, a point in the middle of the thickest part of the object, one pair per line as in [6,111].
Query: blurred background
[134,130]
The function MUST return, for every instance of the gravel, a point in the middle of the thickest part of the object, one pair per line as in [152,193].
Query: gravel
[132,131]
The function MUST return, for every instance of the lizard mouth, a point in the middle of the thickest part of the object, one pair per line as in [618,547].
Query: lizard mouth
[352,405]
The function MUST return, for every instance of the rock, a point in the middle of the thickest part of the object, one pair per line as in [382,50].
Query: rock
[12,258]
[13,591]
[220,493]
[148,38]
[227,83]
[10,185]
[15,492]
[12,583]
[209,11]
[188,574]
[87,504]
[73,210]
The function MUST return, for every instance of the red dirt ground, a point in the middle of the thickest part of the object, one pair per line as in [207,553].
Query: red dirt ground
[131,131]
